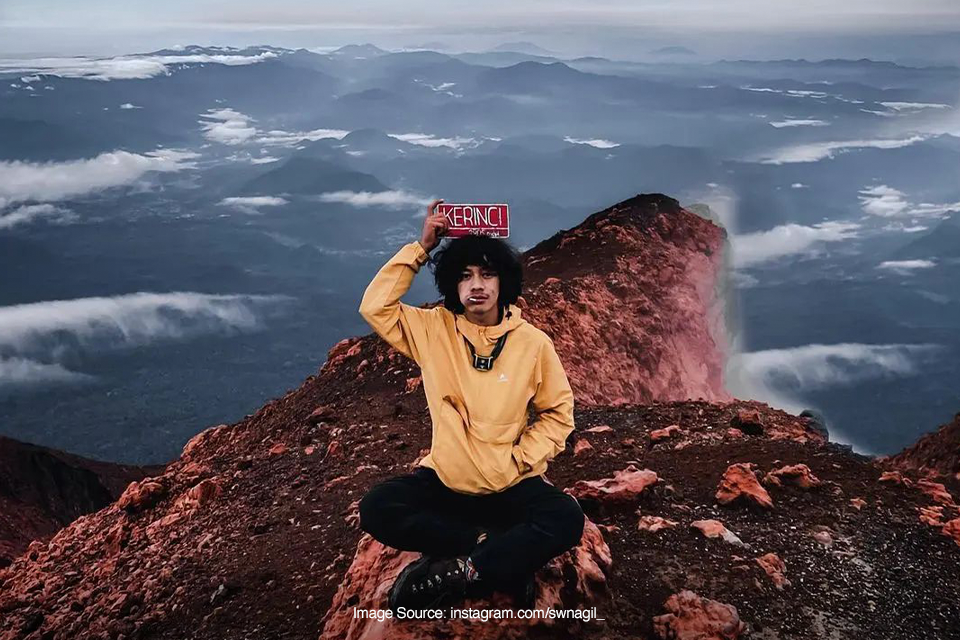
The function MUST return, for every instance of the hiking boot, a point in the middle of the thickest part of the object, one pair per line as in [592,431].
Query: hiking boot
[429,583]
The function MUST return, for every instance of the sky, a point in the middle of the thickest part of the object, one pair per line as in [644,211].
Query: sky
[108,27]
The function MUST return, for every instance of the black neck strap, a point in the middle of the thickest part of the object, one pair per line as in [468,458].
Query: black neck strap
[485,363]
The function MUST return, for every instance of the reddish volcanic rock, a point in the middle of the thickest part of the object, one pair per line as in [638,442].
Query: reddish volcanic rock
[601,428]
[639,280]
[952,529]
[582,446]
[775,568]
[798,474]
[740,483]
[141,495]
[748,421]
[936,491]
[42,490]
[894,477]
[664,434]
[823,537]
[375,566]
[931,516]
[858,503]
[716,529]
[654,523]
[625,485]
[690,617]
[938,451]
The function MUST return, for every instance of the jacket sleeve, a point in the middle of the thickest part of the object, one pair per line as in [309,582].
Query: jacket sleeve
[403,326]
[553,402]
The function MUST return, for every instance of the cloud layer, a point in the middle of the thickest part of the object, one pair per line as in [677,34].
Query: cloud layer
[36,337]
[787,239]
[121,67]
[52,181]
[393,199]
[814,151]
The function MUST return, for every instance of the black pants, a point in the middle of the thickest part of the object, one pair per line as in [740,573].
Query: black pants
[526,524]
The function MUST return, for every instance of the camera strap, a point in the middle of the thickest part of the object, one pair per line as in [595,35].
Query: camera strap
[485,363]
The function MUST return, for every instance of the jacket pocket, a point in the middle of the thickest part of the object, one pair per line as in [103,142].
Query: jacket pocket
[495,432]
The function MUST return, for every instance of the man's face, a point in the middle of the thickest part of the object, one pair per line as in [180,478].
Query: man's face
[479,289]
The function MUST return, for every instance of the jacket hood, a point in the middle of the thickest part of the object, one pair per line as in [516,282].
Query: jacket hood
[481,336]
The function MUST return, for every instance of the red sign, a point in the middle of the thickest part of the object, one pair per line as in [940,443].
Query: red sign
[480,219]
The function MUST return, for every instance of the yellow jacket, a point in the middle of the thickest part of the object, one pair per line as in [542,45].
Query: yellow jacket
[481,442]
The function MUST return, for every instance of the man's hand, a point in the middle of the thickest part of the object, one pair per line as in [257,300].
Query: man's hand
[435,226]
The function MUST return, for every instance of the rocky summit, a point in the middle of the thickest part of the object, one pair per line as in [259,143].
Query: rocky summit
[709,517]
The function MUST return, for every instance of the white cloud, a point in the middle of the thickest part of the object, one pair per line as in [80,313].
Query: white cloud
[227,126]
[881,200]
[794,93]
[906,267]
[780,377]
[290,138]
[252,204]
[799,123]
[122,67]
[914,106]
[597,142]
[35,337]
[231,127]
[898,226]
[798,185]
[50,181]
[31,212]
[127,105]
[887,202]
[788,239]
[430,140]
[393,199]
[885,114]
[816,366]
[814,151]
[21,371]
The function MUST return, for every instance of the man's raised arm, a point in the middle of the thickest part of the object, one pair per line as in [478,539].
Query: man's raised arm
[405,327]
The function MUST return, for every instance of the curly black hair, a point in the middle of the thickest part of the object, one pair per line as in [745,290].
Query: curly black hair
[449,262]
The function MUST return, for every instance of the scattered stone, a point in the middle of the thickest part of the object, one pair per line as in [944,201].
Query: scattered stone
[952,529]
[602,428]
[323,413]
[141,495]
[894,476]
[734,434]
[690,617]
[625,485]
[278,449]
[716,529]
[740,483]
[858,503]
[936,491]
[748,421]
[582,446]
[664,434]
[655,523]
[823,537]
[932,516]
[798,474]
[775,568]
